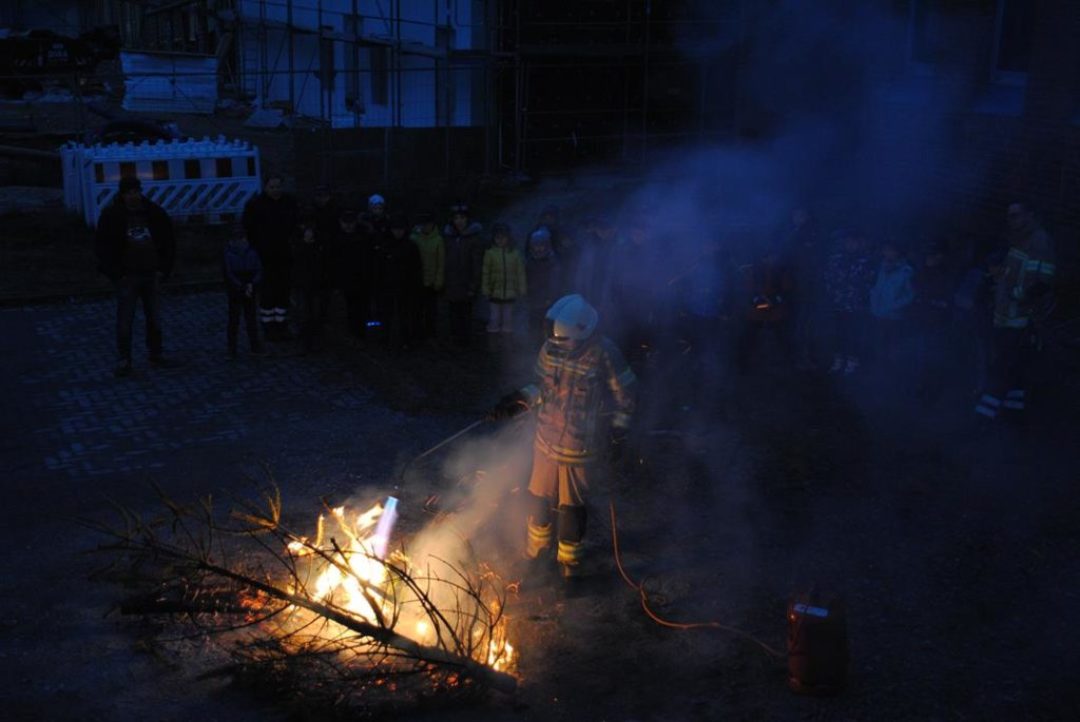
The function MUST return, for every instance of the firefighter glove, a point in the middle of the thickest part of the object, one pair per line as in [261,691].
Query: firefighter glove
[509,406]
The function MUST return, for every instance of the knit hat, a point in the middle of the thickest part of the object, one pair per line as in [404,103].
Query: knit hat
[540,235]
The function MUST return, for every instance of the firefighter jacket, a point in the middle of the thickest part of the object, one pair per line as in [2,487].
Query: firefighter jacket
[571,392]
[1023,291]
[503,275]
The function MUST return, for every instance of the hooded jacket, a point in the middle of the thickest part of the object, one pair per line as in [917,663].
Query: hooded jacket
[503,277]
[432,256]
[462,269]
[892,293]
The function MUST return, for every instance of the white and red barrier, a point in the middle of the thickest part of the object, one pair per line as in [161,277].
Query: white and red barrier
[205,178]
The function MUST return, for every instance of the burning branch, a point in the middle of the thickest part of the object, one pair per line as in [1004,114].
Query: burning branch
[339,613]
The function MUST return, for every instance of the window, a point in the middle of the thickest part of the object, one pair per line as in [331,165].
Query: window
[1013,41]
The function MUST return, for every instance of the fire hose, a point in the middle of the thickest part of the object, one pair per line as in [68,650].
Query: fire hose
[643,595]
[448,440]
[638,587]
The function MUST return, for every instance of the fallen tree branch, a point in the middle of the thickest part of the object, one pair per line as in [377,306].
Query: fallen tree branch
[198,578]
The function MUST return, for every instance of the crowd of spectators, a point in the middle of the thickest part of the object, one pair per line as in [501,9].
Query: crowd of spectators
[837,301]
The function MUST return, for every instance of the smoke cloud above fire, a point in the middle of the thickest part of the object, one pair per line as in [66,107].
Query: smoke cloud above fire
[826,119]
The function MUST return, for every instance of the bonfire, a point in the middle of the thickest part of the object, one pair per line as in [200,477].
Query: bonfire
[349,614]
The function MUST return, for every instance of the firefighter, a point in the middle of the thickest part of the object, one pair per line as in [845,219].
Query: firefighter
[1022,298]
[577,370]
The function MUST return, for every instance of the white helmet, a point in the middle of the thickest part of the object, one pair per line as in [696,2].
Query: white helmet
[571,321]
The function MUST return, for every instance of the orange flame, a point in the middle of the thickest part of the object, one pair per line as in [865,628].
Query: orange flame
[347,573]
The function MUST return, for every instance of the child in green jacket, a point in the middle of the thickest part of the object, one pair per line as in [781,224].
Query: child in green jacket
[432,248]
[502,280]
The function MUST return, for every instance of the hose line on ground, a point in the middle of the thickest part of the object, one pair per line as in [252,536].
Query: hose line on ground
[644,596]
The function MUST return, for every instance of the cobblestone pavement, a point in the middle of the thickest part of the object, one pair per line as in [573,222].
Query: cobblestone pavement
[74,436]
[74,418]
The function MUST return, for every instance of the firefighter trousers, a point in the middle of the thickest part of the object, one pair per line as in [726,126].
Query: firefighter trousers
[557,508]
[1013,353]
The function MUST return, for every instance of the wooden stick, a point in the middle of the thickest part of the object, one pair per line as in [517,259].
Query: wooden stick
[500,681]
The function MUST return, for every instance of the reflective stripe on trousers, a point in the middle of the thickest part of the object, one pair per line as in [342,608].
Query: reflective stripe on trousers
[539,538]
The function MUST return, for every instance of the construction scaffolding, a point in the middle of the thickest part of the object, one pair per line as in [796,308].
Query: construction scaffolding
[383,92]
[591,83]
[554,84]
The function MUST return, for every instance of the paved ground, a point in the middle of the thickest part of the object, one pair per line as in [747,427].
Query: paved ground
[956,547]
[74,438]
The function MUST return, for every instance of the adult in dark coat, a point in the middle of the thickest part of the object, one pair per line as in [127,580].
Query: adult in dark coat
[136,249]
[310,282]
[544,272]
[270,220]
[351,271]
[397,277]
[325,214]
[768,285]
[464,249]
[801,244]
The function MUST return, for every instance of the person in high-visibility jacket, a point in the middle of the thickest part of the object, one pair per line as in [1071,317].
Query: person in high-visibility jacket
[578,372]
[1023,296]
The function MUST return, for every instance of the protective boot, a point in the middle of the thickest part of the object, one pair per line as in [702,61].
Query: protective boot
[571,548]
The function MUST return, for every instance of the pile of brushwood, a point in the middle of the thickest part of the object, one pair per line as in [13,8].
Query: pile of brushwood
[240,588]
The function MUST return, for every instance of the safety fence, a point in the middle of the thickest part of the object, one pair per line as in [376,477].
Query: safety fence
[208,180]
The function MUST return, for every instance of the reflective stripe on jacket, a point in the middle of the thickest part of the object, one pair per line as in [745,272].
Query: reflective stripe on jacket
[1030,262]
[571,392]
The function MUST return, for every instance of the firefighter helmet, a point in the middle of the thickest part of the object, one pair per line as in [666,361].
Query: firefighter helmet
[571,321]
